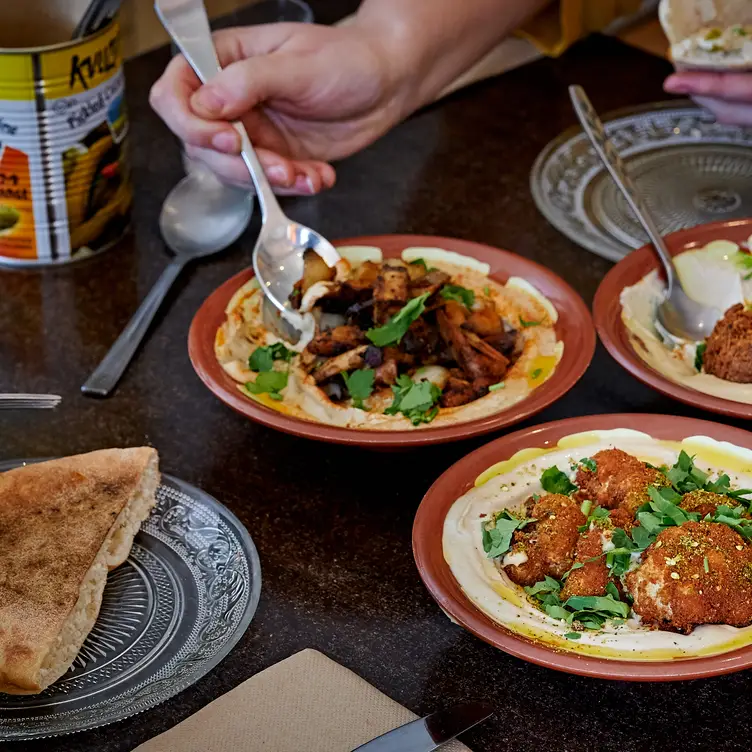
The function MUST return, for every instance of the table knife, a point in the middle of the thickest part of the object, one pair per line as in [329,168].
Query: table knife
[431,732]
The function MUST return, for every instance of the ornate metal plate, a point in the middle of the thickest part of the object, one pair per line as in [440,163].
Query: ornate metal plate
[690,169]
[170,614]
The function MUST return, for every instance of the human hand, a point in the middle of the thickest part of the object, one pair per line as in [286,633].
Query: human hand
[306,94]
[727,95]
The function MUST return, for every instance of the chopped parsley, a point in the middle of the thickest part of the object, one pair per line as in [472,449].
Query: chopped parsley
[262,358]
[393,331]
[415,400]
[268,382]
[555,481]
[536,374]
[589,464]
[700,356]
[525,324]
[497,534]
[459,294]
[360,385]
[496,387]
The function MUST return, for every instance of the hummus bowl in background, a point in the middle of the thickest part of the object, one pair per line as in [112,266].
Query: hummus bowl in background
[480,600]
[622,342]
[573,330]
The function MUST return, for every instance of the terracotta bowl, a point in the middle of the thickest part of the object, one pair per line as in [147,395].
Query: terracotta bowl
[629,271]
[574,328]
[438,578]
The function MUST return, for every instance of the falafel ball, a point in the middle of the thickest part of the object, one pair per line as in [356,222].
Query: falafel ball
[728,354]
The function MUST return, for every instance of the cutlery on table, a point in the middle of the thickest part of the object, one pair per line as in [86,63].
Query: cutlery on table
[431,732]
[278,255]
[200,216]
[678,316]
[97,14]
[29,401]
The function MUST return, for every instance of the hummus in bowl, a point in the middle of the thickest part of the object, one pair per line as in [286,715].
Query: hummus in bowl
[611,544]
[427,339]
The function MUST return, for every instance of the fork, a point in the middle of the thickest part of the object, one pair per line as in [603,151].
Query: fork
[29,401]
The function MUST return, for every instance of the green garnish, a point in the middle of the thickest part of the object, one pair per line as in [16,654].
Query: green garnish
[459,294]
[487,291]
[700,356]
[589,464]
[420,262]
[740,31]
[555,481]
[496,387]
[573,635]
[360,385]
[732,516]
[714,34]
[393,331]
[525,324]
[262,358]
[268,382]
[705,564]
[597,514]
[536,373]
[415,400]
[497,534]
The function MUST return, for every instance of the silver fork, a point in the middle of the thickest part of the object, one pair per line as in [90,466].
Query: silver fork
[29,401]
[278,255]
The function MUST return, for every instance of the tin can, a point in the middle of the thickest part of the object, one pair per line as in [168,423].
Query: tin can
[65,190]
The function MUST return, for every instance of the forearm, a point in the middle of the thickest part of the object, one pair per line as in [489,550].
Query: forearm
[432,42]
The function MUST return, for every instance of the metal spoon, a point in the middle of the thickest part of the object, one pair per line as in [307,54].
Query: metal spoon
[278,255]
[199,217]
[678,316]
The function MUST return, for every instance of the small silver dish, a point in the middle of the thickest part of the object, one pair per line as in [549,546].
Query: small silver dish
[690,170]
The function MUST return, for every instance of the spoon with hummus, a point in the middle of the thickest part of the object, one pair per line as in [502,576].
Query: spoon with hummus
[678,317]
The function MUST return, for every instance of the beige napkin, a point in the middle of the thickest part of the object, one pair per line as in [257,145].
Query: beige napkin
[307,703]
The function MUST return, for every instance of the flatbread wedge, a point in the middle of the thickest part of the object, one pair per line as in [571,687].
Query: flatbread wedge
[709,34]
[63,525]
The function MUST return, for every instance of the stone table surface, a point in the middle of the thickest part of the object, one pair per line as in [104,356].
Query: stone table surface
[333,524]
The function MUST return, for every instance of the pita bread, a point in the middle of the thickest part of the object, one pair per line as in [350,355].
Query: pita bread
[686,23]
[63,525]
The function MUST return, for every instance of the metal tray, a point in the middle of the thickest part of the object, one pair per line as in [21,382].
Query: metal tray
[690,169]
[170,614]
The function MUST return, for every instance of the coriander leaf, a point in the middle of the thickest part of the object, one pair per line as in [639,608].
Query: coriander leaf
[589,464]
[496,387]
[573,635]
[268,382]
[525,324]
[497,534]
[621,540]
[536,374]
[641,537]
[360,385]
[262,358]
[597,515]
[668,509]
[700,356]
[415,400]
[393,331]
[420,262]
[459,294]
[555,481]
[547,585]
[606,604]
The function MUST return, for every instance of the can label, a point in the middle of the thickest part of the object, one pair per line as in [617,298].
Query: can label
[64,183]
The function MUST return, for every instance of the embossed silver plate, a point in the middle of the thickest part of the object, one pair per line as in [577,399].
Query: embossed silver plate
[170,614]
[690,169]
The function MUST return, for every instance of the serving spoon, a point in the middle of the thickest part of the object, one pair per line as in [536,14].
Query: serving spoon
[678,316]
[278,255]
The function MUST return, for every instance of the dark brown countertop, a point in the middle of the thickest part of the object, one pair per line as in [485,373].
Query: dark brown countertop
[334,542]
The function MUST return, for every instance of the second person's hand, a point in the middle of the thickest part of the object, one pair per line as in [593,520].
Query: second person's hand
[306,94]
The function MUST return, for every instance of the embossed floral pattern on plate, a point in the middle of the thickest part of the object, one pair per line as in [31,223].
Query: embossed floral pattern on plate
[170,614]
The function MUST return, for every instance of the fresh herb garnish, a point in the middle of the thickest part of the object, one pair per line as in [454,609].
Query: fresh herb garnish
[713,34]
[487,291]
[555,481]
[740,31]
[415,400]
[420,262]
[459,294]
[525,324]
[262,358]
[732,516]
[360,385]
[268,382]
[700,356]
[496,387]
[536,374]
[596,515]
[393,331]
[573,635]
[589,464]
[497,534]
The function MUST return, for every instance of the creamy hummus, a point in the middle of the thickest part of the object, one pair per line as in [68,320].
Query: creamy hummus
[244,331]
[508,484]
[715,275]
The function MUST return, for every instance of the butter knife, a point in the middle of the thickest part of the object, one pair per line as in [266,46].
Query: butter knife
[431,732]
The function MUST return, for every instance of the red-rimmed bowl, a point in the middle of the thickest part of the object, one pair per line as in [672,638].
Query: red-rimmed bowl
[574,328]
[629,271]
[438,577]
